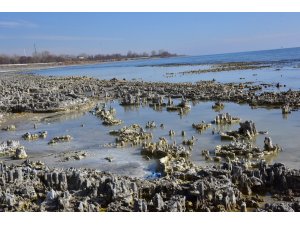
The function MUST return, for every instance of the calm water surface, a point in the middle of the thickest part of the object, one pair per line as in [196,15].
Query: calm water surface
[93,135]
[285,68]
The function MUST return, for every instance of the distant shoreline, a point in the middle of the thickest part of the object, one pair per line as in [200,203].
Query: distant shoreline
[36,66]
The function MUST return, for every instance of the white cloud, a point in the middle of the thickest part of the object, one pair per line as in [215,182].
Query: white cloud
[17,24]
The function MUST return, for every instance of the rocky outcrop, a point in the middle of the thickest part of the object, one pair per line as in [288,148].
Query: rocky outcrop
[20,153]
[30,137]
[218,106]
[24,188]
[286,109]
[247,130]
[133,134]
[201,126]
[238,150]
[225,118]
[55,140]
[150,125]
[181,107]
[9,128]
[52,94]
[9,147]
[129,100]
[162,148]
[108,116]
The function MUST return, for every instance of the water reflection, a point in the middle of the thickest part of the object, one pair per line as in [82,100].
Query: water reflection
[56,118]
[285,116]
[93,135]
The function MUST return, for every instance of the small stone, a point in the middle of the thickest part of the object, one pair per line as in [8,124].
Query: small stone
[10,128]
[20,153]
[10,200]
[109,159]
[51,195]
[80,207]
[243,207]
[78,157]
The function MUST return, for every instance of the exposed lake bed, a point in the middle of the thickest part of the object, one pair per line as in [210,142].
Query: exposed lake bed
[176,154]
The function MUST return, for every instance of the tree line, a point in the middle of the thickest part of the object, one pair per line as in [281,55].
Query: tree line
[47,57]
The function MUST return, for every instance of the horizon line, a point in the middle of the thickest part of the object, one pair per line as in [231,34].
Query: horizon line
[184,55]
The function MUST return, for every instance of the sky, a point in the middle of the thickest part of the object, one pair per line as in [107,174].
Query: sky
[181,33]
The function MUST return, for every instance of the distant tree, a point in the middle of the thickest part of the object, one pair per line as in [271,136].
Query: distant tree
[145,54]
[47,57]
[4,59]
[129,54]
[153,53]
[24,59]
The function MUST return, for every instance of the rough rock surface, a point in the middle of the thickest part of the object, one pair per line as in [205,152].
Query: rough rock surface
[25,188]
[30,93]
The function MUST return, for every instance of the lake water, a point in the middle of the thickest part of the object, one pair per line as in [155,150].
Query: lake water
[93,135]
[284,130]
[285,68]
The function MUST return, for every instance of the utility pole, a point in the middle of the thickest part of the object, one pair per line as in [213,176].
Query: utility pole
[35,52]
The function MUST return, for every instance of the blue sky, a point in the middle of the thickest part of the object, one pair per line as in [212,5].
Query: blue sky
[183,33]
